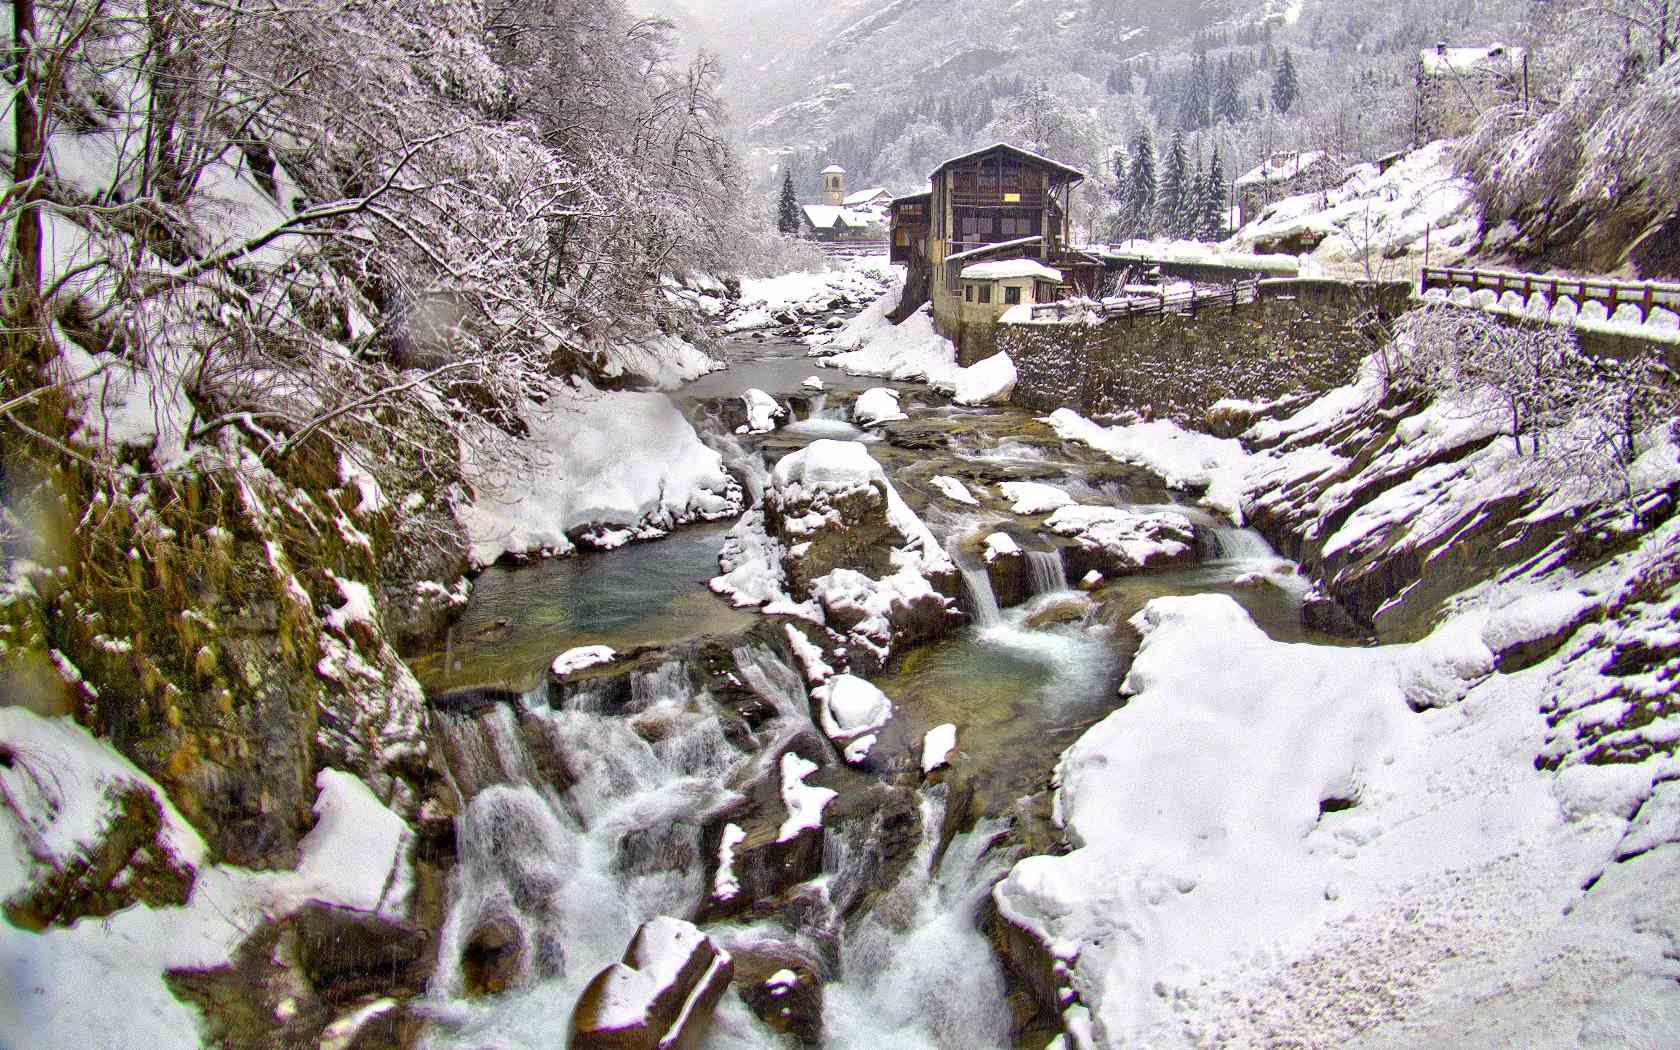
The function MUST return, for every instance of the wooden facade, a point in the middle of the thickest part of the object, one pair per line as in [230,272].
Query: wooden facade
[911,221]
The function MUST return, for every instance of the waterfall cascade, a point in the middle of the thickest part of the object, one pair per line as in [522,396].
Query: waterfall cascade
[1044,569]
[982,603]
[1238,544]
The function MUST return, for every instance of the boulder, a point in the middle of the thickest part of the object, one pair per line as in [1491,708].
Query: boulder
[660,997]
[346,953]
[1116,542]
[780,985]
[496,956]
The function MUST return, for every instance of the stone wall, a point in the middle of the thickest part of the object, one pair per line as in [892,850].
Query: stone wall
[1301,335]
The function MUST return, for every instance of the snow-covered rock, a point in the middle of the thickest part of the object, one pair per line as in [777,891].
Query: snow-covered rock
[661,995]
[875,406]
[1184,459]
[937,746]
[851,707]
[607,465]
[953,489]
[580,658]
[1033,497]
[1117,541]
[763,412]
[987,382]
[804,802]
[908,351]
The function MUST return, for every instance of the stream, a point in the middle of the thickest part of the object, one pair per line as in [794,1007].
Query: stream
[591,810]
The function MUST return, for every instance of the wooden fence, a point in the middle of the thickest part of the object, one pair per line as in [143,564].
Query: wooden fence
[1645,295]
[1187,303]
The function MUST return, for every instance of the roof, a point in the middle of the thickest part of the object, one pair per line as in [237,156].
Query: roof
[832,169]
[997,271]
[865,196]
[908,197]
[987,249]
[1438,60]
[829,216]
[1280,167]
[1024,154]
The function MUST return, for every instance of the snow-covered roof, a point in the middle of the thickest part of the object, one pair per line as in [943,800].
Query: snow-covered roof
[865,196]
[832,169]
[1282,166]
[828,216]
[908,197]
[997,271]
[987,249]
[1438,60]
[1025,153]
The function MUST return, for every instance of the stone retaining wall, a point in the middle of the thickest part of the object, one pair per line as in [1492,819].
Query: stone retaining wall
[1301,335]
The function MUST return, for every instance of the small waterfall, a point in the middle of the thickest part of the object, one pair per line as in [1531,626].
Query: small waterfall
[982,603]
[1234,544]
[916,971]
[1044,570]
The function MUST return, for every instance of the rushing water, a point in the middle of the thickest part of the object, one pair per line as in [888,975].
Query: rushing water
[585,810]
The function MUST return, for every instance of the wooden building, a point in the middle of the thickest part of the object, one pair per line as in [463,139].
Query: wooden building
[992,205]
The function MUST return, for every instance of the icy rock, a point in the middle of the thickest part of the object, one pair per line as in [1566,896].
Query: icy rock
[954,490]
[875,406]
[1091,581]
[1114,541]
[812,383]
[662,995]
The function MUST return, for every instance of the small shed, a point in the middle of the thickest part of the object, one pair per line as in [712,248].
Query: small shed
[990,288]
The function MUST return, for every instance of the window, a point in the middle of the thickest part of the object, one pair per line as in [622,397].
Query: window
[1012,294]
[1011,198]
[968,293]
[985,293]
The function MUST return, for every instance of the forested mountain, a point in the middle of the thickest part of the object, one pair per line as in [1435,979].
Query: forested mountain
[889,89]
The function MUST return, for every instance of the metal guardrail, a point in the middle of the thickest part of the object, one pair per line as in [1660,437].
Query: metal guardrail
[1184,303]
[1645,295]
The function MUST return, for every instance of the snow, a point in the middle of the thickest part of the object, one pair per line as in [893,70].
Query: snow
[875,406]
[1462,60]
[987,382]
[953,489]
[836,468]
[762,412]
[581,657]
[1000,545]
[851,706]
[1280,167]
[356,856]
[1033,497]
[937,746]
[725,884]
[1384,213]
[1196,812]
[868,324]
[804,802]
[911,350]
[1184,459]
[828,216]
[751,561]
[810,656]
[1203,253]
[622,460]
[1138,540]
[1010,268]
[357,607]
[812,383]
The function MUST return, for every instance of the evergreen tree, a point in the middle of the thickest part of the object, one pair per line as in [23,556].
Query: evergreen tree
[1213,200]
[787,212]
[1198,95]
[1227,104]
[1174,170]
[1141,199]
[1286,88]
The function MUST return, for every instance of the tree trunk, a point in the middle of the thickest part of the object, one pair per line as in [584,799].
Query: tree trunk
[25,306]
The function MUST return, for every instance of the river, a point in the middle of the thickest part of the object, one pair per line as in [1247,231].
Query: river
[589,812]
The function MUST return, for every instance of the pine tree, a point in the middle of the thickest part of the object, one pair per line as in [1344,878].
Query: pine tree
[1286,88]
[1198,95]
[1173,188]
[1213,200]
[787,212]
[1141,202]
[1227,105]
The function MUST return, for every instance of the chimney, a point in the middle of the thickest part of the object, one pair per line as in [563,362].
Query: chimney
[1440,47]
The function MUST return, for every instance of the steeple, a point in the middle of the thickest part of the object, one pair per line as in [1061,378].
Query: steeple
[834,185]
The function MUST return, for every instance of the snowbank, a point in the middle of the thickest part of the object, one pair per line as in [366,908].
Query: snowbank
[619,465]
[1256,799]
[908,351]
[988,382]
[1033,497]
[1184,459]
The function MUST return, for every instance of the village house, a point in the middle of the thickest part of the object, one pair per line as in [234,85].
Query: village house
[837,218]
[1457,84]
[992,232]
[1284,174]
